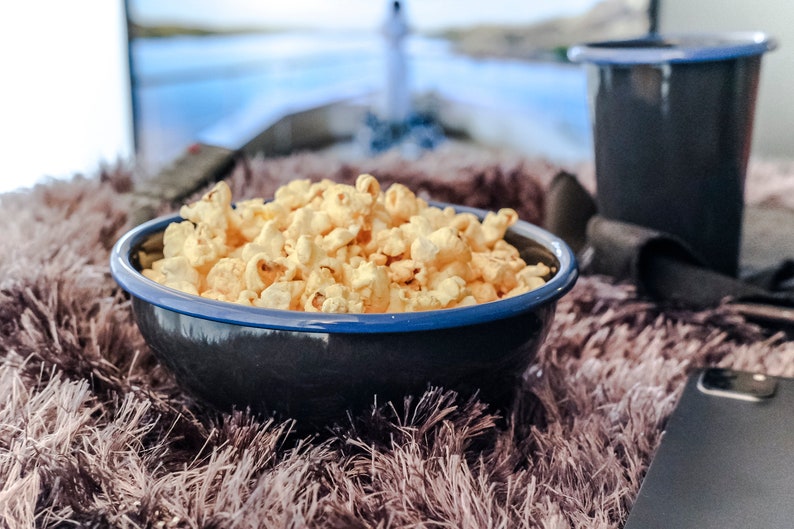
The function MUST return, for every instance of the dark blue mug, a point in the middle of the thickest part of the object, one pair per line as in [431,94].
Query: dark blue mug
[672,119]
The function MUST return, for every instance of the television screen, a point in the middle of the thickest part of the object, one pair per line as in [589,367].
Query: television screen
[222,73]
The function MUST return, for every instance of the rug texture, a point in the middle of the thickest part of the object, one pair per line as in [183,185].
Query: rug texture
[94,432]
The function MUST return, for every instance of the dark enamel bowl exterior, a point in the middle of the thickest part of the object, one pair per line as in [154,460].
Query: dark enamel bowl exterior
[316,367]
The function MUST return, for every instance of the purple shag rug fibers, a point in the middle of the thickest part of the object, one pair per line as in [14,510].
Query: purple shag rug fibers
[95,433]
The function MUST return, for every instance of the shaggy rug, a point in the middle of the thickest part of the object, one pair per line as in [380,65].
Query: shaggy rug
[94,432]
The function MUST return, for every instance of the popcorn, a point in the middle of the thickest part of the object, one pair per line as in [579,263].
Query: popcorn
[280,295]
[202,248]
[175,272]
[335,248]
[270,240]
[225,280]
[175,236]
[261,271]
[401,203]
[451,248]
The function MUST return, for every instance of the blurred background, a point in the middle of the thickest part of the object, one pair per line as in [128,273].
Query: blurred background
[94,82]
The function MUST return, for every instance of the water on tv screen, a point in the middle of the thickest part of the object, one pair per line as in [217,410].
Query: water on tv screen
[222,73]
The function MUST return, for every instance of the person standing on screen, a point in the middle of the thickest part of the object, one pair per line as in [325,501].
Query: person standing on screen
[397,97]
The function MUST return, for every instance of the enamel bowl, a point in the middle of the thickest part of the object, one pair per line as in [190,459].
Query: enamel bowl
[316,368]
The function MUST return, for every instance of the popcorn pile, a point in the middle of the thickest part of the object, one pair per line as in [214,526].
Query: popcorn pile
[338,248]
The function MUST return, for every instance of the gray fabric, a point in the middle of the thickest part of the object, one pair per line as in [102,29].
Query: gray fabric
[660,265]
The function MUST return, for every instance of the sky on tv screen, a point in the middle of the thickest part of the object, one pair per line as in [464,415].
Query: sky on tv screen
[340,14]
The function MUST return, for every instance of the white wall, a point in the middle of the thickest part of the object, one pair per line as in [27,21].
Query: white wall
[64,95]
[772,136]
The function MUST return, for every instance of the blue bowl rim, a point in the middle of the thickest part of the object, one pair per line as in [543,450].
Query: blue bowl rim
[138,286]
[683,48]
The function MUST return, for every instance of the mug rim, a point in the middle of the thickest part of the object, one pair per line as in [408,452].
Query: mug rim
[657,48]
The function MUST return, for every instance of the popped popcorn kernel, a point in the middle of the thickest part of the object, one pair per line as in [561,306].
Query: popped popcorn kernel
[336,248]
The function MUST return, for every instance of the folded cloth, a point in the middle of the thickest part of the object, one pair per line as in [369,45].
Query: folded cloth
[568,208]
[660,265]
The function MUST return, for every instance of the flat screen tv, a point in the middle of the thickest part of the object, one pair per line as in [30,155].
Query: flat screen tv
[224,72]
